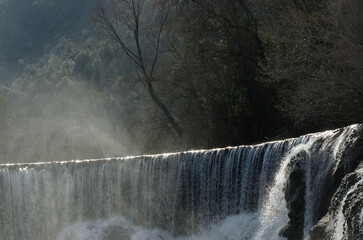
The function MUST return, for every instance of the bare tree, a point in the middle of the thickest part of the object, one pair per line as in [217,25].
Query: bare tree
[314,60]
[115,17]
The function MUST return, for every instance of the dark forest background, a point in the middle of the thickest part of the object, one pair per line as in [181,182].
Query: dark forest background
[86,79]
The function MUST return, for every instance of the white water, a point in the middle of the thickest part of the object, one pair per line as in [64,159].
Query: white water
[339,230]
[338,226]
[231,193]
[235,227]
[274,213]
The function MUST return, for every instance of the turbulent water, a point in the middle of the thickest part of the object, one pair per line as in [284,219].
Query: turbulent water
[230,193]
[347,208]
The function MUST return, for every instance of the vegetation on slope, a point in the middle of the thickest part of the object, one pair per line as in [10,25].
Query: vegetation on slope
[216,73]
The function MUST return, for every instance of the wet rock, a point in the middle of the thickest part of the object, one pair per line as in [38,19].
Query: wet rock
[350,161]
[317,232]
[345,211]
[295,198]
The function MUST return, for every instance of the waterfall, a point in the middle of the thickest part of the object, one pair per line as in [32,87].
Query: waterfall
[347,208]
[228,193]
[341,221]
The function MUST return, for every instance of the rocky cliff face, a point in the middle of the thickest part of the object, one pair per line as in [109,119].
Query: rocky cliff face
[345,212]
[344,219]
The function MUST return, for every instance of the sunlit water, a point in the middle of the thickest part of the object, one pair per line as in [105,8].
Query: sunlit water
[232,193]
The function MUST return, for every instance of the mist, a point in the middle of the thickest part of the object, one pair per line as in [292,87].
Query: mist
[68,124]
[50,106]
[134,89]
[184,82]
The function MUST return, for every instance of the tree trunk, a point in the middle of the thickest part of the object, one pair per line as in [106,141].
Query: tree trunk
[165,110]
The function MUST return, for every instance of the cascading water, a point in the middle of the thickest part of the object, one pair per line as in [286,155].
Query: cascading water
[346,210]
[230,193]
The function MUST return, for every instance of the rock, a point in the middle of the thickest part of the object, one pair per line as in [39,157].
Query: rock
[345,208]
[295,198]
[317,232]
